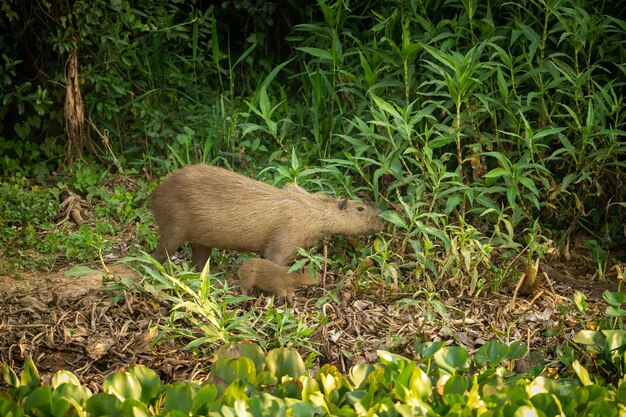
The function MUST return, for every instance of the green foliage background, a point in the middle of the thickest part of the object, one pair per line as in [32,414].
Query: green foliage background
[478,124]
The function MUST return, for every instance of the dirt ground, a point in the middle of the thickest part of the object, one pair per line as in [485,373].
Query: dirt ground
[73,323]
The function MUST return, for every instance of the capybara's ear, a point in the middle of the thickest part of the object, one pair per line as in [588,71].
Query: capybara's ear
[343,204]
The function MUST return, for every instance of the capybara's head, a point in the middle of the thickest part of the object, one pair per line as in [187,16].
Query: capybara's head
[360,218]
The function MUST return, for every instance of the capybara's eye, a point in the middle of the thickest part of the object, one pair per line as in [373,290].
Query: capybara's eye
[360,208]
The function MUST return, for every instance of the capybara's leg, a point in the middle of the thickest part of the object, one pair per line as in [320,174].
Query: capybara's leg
[167,246]
[200,255]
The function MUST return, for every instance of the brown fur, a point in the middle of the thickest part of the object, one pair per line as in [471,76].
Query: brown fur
[272,278]
[211,207]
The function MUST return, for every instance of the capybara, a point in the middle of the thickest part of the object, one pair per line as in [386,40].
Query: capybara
[211,207]
[272,278]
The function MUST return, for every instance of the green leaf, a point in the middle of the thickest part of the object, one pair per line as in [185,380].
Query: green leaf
[149,381]
[615,299]
[517,350]
[453,359]
[135,408]
[179,397]
[492,353]
[64,377]
[316,52]
[427,350]
[395,219]
[123,385]
[81,271]
[231,369]
[38,402]
[582,373]
[579,302]
[29,376]
[103,404]
[204,400]
[284,361]
[9,375]
[497,173]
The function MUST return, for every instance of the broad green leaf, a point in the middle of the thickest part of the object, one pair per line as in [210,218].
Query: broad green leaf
[232,369]
[64,377]
[284,361]
[123,385]
[75,394]
[103,404]
[492,353]
[9,375]
[38,402]
[517,350]
[204,400]
[427,350]
[149,381]
[29,376]
[134,408]
[453,359]
[615,299]
[179,397]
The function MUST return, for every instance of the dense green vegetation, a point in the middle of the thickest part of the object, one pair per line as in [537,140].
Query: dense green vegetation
[245,381]
[491,133]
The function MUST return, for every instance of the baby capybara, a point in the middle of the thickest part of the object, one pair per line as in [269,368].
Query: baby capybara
[211,207]
[272,278]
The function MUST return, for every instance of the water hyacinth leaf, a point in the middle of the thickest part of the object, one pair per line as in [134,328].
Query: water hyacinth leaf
[76,395]
[284,361]
[492,353]
[38,402]
[612,311]
[149,381]
[456,384]
[123,385]
[266,405]
[304,409]
[615,299]
[359,372]
[133,408]
[29,376]
[517,350]
[9,376]
[615,346]
[204,400]
[527,411]
[427,350]
[453,359]
[232,369]
[421,387]
[254,352]
[589,338]
[103,404]
[64,377]
[541,385]
[179,397]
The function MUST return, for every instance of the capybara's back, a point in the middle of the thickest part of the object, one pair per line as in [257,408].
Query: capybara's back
[211,207]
